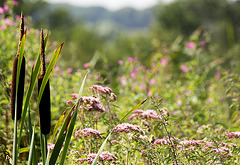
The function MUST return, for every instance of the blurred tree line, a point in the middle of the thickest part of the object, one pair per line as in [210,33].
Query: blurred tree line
[219,18]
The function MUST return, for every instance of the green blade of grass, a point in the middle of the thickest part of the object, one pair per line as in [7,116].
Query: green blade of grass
[31,147]
[58,124]
[105,141]
[33,81]
[22,46]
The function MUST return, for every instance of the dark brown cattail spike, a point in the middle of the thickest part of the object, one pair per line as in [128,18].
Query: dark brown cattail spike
[19,98]
[45,104]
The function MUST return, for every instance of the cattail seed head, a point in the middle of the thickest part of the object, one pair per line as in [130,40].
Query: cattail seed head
[44,108]
[45,104]
[19,98]
[20,88]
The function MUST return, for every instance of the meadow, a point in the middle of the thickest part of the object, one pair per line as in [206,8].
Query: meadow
[181,107]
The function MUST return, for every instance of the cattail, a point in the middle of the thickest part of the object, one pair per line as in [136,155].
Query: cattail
[45,105]
[20,91]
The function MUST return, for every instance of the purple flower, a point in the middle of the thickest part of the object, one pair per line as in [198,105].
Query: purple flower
[190,45]
[69,70]
[126,127]
[184,68]
[88,131]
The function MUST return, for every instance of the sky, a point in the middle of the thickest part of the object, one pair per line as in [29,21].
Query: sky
[111,4]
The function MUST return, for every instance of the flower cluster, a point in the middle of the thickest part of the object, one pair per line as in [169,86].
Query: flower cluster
[187,143]
[233,135]
[98,89]
[88,131]
[165,141]
[126,127]
[91,103]
[104,156]
[145,114]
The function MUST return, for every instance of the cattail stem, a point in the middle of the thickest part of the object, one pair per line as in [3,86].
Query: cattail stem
[19,97]
[45,104]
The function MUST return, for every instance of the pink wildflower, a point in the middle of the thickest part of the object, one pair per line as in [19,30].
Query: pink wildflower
[3,27]
[88,131]
[100,89]
[202,43]
[152,82]
[209,99]
[184,68]
[114,141]
[69,102]
[17,17]
[85,65]
[143,153]
[79,71]
[190,45]
[5,7]
[142,86]
[123,81]
[50,146]
[143,67]
[15,3]
[153,64]
[130,59]
[126,127]
[2,10]
[57,68]
[233,135]
[69,70]
[74,96]
[179,103]
[91,103]
[107,156]
[120,62]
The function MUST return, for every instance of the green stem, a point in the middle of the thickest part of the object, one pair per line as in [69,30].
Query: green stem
[15,137]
